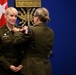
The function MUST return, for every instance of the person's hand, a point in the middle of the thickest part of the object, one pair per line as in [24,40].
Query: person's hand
[15,29]
[25,29]
[13,68]
[19,67]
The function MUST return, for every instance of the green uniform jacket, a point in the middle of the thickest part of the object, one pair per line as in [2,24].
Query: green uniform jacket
[10,53]
[38,44]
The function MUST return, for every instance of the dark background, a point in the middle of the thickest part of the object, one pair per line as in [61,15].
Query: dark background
[63,22]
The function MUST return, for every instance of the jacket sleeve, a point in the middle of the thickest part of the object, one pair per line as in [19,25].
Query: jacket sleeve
[3,62]
[22,37]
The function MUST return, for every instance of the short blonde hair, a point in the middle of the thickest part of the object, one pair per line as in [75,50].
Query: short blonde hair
[43,14]
[12,9]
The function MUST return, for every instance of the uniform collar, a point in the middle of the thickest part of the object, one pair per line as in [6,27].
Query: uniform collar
[40,24]
[9,28]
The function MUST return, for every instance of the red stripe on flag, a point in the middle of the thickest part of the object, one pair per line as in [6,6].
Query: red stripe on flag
[3,6]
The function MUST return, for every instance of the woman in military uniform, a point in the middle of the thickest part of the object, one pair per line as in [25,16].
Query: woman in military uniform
[38,44]
[10,53]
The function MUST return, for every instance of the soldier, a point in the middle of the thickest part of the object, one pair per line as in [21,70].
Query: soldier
[10,53]
[38,44]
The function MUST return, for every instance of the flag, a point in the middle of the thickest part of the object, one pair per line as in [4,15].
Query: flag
[3,6]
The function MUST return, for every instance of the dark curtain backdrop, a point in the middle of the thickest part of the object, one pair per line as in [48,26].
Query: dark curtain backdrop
[63,22]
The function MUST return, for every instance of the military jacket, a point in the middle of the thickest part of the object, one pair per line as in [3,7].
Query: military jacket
[38,43]
[39,40]
[10,53]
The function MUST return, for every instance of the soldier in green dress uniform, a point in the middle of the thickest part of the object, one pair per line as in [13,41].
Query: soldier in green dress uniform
[38,44]
[10,53]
